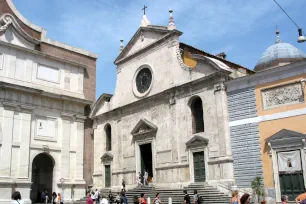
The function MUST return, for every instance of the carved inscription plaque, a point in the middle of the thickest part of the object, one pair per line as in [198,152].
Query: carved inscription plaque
[282,95]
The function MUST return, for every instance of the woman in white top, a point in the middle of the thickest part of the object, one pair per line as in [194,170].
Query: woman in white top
[16,198]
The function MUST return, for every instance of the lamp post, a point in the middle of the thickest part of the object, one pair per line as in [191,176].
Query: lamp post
[62,180]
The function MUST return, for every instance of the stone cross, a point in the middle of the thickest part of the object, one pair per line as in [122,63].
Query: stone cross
[144,9]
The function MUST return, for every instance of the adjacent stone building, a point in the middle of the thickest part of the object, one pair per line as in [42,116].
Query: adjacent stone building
[46,88]
[168,114]
[266,114]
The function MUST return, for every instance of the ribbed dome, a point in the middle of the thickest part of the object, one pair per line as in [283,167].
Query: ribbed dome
[278,54]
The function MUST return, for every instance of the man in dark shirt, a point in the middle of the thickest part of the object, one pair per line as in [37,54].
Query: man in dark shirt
[186,197]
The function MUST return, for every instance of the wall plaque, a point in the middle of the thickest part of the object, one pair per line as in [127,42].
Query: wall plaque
[282,95]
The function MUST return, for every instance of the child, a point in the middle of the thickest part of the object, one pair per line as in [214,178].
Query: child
[284,199]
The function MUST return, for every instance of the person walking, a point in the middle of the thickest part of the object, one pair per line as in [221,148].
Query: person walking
[89,199]
[186,197]
[196,197]
[110,197]
[123,183]
[54,196]
[138,180]
[157,199]
[235,198]
[245,199]
[142,199]
[145,178]
[43,197]
[59,199]
[46,197]
[16,198]
[123,198]
[117,198]
[93,197]
[97,196]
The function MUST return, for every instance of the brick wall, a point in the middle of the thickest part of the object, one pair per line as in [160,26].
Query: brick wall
[244,138]
[4,8]
[90,72]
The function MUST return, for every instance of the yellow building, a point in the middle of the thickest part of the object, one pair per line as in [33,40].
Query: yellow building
[267,113]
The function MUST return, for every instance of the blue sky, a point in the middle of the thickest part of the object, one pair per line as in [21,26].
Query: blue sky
[243,29]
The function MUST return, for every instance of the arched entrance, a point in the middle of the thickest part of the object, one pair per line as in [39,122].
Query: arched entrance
[42,176]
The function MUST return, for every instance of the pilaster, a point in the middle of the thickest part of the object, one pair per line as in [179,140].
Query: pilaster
[65,151]
[25,144]
[222,117]
[80,147]
[7,140]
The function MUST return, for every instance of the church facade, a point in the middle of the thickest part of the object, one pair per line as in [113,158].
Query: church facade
[46,88]
[168,115]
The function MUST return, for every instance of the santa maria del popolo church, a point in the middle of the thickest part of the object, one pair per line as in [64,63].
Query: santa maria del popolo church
[168,114]
[46,89]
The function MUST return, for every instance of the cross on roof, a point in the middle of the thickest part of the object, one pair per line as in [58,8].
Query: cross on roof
[144,9]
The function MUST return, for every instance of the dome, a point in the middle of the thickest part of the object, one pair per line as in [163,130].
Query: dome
[279,54]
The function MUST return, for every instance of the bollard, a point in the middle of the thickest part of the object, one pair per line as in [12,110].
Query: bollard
[170,200]
[148,200]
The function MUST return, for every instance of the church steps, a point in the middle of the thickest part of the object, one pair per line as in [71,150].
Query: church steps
[208,193]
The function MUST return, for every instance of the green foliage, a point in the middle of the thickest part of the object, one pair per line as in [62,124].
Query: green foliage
[258,188]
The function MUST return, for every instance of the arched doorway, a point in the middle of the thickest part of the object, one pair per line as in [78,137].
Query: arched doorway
[42,176]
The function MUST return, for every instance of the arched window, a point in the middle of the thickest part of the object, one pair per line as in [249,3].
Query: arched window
[197,115]
[108,134]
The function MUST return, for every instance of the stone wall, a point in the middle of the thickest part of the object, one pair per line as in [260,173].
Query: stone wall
[170,112]
[244,136]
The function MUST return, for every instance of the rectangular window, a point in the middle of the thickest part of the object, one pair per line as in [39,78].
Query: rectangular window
[48,73]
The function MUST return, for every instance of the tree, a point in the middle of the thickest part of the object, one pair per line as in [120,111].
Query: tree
[258,189]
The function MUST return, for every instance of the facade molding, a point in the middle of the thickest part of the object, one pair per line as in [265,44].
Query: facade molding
[287,114]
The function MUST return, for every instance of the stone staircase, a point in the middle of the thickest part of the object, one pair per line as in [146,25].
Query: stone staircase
[208,193]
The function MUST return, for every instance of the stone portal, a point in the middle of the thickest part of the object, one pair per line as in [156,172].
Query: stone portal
[146,159]
[42,176]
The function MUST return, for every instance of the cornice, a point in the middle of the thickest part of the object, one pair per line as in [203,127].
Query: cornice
[6,85]
[43,54]
[178,92]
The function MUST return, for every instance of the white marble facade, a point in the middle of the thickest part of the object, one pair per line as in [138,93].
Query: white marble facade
[161,114]
[41,113]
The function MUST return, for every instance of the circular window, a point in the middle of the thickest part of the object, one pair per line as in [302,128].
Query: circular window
[143,80]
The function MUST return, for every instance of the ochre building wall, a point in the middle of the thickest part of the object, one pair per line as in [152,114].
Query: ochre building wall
[268,128]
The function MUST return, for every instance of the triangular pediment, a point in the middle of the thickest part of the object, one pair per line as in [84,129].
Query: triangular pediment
[196,141]
[286,137]
[107,157]
[144,37]
[143,127]
[11,32]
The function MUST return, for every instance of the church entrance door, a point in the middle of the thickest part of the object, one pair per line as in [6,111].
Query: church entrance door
[199,166]
[290,174]
[146,159]
[107,176]
[42,176]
